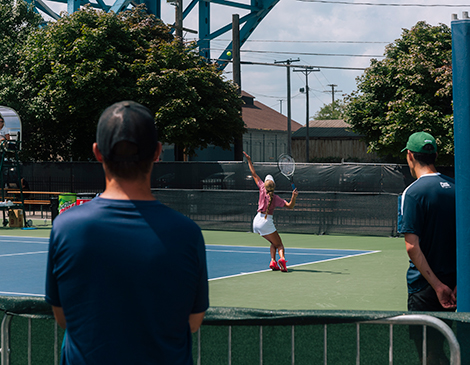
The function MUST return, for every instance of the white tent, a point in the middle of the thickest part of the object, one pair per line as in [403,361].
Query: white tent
[12,122]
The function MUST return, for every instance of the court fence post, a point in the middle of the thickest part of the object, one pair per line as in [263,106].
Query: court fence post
[5,341]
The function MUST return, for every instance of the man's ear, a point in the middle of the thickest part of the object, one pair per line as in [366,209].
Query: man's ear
[97,153]
[410,154]
[158,152]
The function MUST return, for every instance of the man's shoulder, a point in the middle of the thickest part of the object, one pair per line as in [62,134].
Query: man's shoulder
[430,181]
[436,182]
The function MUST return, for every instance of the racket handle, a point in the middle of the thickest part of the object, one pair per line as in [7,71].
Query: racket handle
[293,186]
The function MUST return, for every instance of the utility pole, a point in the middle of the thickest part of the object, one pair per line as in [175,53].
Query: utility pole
[333,93]
[179,151]
[238,142]
[289,120]
[179,20]
[280,106]
[306,71]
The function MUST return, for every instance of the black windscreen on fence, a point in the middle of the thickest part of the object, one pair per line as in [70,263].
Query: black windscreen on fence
[347,177]
[334,198]
[314,213]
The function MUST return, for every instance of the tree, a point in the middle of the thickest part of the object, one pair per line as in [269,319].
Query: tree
[330,111]
[182,87]
[71,70]
[409,90]
[17,21]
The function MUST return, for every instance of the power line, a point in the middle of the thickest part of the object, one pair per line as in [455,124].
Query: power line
[389,4]
[328,67]
[311,54]
[282,41]
[303,53]
[271,96]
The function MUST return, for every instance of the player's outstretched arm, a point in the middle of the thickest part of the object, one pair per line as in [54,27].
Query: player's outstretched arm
[291,204]
[446,296]
[252,168]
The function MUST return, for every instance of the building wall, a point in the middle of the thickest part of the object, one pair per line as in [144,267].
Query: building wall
[326,148]
[264,145]
[261,145]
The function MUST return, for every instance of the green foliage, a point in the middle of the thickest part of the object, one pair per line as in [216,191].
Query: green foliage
[410,90]
[331,111]
[184,88]
[71,70]
[17,20]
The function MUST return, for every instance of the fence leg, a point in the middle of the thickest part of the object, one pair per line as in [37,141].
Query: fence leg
[30,329]
[5,341]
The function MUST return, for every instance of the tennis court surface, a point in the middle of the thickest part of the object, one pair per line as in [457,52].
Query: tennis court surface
[23,262]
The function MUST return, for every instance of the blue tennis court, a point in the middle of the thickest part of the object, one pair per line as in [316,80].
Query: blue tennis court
[227,261]
[23,262]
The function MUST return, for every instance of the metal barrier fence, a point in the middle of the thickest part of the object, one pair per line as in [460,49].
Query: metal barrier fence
[246,336]
[424,320]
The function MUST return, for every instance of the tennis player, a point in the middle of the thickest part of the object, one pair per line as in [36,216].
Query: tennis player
[127,275]
[263,223]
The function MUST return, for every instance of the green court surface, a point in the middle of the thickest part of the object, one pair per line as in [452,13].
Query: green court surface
[363,284]
[370,282]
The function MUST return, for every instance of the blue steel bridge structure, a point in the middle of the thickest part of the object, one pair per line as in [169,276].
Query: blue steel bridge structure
[255,11]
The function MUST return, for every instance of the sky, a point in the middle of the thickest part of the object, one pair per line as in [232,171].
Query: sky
[332,33]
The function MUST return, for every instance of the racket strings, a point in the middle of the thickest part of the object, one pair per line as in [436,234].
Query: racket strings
[286,167]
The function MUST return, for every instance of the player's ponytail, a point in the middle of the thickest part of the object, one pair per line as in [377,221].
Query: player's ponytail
[269,186]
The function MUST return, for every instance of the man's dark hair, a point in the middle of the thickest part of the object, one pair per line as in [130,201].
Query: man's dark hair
[425,158]
[129,170]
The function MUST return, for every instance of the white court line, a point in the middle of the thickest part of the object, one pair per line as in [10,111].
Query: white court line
[290,252]
[27,294]
[39,240]
[294,248]
[306,263]
[23,253]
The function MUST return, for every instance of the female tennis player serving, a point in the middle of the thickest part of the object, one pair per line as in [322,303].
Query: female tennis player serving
[263,222]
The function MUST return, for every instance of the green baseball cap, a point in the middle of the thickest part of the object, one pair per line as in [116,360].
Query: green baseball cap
[418,140]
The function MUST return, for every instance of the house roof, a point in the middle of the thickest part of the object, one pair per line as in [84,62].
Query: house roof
[256,115]
[335,128]
[328,123]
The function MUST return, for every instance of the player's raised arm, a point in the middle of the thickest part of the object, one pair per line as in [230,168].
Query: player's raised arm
[252,168]
[291,204]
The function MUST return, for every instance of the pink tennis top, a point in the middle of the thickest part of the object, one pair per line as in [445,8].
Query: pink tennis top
[264,200]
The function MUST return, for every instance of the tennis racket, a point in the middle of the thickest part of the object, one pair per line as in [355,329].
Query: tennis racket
[286,165]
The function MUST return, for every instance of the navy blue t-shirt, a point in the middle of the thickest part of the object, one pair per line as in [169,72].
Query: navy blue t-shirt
[427,209]
[127,274]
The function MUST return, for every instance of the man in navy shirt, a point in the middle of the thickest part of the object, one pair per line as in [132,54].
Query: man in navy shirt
[427,219]
[126,275]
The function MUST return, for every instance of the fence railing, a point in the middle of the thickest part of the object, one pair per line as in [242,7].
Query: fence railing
[424,320]
[246,336]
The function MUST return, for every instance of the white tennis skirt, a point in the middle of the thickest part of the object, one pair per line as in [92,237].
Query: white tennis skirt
[263,226]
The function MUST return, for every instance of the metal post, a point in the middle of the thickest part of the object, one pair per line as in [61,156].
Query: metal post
[289,120]
[461,93]
[238,142]
[179,20]
[306,72]
[5,339]
[307,119]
